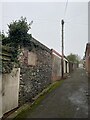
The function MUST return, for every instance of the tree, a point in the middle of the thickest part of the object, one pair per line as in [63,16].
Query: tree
[17,36]
[2,35]
[5,39]
[73,58]
[18,32]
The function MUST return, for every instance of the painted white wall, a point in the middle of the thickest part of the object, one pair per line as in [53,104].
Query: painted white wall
[67,67]
[64,67]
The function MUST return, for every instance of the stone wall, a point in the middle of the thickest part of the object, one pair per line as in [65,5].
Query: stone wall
[36,69]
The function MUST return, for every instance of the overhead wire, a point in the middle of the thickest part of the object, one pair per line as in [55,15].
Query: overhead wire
[70,20]
[65,9]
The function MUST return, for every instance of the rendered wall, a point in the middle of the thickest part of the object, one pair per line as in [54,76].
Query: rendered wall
[10,90]
[56,67]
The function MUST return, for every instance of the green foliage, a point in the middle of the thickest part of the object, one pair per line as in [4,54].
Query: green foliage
[5,40]
[17,36]
[18,32]
[1,35]
[73,58]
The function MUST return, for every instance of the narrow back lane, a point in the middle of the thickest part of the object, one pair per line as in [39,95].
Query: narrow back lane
[67,101]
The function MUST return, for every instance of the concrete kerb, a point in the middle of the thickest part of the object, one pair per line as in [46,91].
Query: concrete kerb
[28,105]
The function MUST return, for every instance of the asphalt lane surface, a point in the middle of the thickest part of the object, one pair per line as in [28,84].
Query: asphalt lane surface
[69,100]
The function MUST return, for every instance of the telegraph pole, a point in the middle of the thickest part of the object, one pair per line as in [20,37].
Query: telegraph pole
[62,22]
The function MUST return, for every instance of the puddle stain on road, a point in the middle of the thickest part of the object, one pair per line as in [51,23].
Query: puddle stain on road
[79,99]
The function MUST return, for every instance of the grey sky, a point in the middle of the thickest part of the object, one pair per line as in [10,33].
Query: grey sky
[46,25]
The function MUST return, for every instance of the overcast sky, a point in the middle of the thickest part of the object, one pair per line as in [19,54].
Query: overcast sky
[46,26]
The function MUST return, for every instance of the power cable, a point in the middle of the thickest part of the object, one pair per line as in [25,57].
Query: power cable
[65,9]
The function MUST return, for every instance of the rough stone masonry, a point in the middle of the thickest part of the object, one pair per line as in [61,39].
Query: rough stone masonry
[36,70]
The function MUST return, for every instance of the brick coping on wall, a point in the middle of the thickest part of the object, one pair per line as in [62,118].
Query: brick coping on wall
[59,55]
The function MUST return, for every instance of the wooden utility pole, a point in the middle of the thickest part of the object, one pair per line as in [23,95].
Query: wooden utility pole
[62,22]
